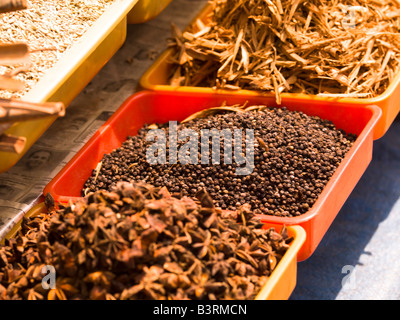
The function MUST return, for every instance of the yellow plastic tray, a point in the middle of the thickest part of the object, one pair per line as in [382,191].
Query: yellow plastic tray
[70,75]
[146,10]
[280,284]
[282,281]
[40,208]
[156,78]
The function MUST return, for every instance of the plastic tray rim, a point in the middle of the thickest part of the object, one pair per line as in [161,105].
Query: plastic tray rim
[313,211]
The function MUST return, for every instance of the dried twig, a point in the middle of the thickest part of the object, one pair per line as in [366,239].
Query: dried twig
[207,112]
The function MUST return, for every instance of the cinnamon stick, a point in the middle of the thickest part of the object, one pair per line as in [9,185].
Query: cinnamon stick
[51,108]
[11,84]
[17,111]
[12,144]
[14,53]
[12,5]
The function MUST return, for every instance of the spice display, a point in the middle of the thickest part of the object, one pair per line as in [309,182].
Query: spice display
[330,48]
[49,27]
[11,111]
[294,157]
[138,242]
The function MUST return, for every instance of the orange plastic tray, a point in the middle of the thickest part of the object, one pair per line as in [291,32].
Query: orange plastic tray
[148,107]
[156,78]
[282,280]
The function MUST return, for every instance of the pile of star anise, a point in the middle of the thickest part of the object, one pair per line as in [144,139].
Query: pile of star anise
[138,242]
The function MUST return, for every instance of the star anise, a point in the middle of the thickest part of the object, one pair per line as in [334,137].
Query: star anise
[205,247]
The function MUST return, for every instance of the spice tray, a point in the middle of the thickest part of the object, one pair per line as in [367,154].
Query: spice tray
[282,280]
[149,107]
[146,10]
[156,78]
[75,69]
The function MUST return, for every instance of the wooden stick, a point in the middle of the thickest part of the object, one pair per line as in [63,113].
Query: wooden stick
[14,53]
[12,144]
[23,115]
[8,83]
[12,5]
[51,108]
[23,111]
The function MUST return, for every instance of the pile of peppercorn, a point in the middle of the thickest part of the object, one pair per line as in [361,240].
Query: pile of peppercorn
[295,156]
